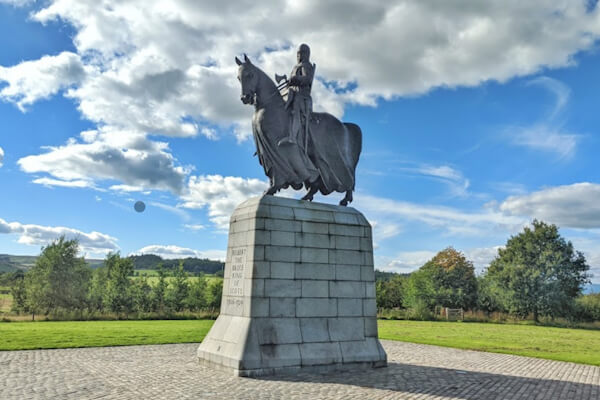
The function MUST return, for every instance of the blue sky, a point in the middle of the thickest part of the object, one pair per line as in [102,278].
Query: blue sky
[476,118]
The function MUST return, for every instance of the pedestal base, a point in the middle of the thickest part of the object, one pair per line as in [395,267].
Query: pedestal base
[299,291]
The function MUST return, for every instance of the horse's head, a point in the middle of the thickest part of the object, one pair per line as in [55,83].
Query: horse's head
[248,77]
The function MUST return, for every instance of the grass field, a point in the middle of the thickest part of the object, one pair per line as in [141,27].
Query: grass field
[576,345]
[56,335]
[563,344]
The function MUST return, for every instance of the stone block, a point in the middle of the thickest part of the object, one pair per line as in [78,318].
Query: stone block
[316,307]
[370,326]
[304,214]
[255,253]
[360,351]
[313,240]
[343,329]
[346,230]
[282,270]
[346,289]
[350,307]
[369,307]
[314,271]
[345,218]
[348,257]
[261,269]
[314,288]
[366,244]
[282,307]
[347,272]
[278,330]
[367,274]
[320,353]
[254,287]
[314,329]
[284,225]
[257,307]
[315,227]
[260,237]
[367,258]
[281,212]
[313,255]
[280,355]
[283,288]
[370,290]
[283,238]
[347,242]
[282,253]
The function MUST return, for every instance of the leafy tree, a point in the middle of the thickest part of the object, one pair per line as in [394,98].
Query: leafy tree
[97,289]
[19,293]
[142,294]
[58,280]
[117,297]
[159,291]
[196,298]
[215,293]
[390,293]
[447,280]
[178,292]
[541,273]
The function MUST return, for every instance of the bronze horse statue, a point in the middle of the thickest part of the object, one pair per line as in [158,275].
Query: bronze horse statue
[326,159]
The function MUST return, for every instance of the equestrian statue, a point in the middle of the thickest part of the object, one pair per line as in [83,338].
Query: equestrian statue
[296,146]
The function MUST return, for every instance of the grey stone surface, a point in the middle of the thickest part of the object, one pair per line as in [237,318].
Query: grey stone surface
[172,372]
[296,286]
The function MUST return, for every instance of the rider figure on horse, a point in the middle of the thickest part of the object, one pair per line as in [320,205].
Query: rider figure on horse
[299,99]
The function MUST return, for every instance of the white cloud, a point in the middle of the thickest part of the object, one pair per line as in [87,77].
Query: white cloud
[546,138]
[194,227]
[168,67]
[177,210]
[549,135]
[172,251]
[31,81]
[409,261]
[568,206]
[452,177]
[38,235]
[78,183]
[1,157]
[220,194]
[110,155]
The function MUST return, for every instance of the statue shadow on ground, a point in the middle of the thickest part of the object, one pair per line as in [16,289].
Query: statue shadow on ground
[453,383]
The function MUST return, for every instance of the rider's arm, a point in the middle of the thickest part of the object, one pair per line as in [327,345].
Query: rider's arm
[304,78]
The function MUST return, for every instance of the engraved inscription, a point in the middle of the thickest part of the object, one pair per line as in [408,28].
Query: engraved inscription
[238,264]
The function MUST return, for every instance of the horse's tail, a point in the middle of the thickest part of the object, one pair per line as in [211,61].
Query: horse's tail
[355,145]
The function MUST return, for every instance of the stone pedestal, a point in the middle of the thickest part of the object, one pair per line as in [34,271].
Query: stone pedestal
[299,291]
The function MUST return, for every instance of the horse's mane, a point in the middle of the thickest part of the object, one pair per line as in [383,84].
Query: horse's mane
[268,83]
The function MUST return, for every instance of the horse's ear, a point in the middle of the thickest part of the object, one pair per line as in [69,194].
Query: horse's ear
[237,61]
[246,59]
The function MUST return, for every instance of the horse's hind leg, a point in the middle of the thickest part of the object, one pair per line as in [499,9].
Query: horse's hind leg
[347,199]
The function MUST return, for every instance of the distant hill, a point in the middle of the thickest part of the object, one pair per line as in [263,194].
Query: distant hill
[10,263]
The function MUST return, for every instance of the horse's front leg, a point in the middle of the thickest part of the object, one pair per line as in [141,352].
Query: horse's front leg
[311,192]
[347,199]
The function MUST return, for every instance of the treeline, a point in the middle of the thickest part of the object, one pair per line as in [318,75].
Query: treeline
[62,284]
[537,274]
[190,264]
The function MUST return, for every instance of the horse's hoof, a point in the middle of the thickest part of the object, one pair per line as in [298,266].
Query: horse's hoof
[307,198]
[270,191]
[344,203]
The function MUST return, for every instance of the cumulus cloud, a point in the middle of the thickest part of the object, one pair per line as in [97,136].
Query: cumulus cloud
[220,194]
[109,155]
[409,261]
[30,81]
[568,206]
[1,157]
[163,67]
[77,183]
[172,251]
[39,235]
[452,177]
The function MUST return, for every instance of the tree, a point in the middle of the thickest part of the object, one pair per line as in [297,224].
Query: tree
[19,293]
[390,293]
[142,294]
[447,280]
[97,290]
[117,297]
[159,291]
[58,280]
[215,293]
[196,298]
[540,272]
[179,289]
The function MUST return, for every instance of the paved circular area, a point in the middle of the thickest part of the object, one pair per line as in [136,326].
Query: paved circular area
[171,372]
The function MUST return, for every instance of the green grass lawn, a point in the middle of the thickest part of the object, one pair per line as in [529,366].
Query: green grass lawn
[576,345]
[55,335]
[563,344]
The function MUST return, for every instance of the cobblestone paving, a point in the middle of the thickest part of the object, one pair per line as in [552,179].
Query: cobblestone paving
[171,372]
